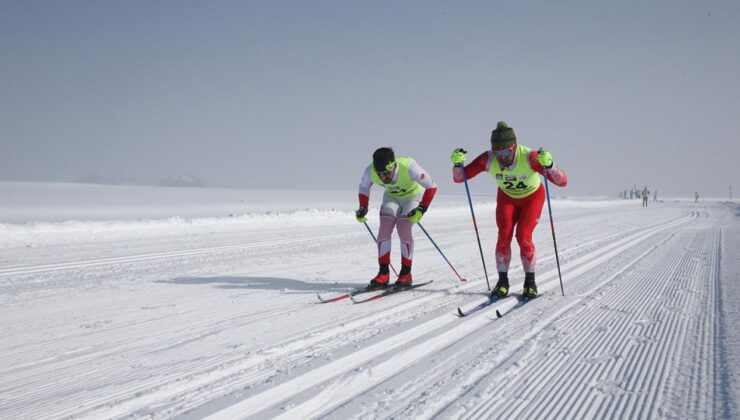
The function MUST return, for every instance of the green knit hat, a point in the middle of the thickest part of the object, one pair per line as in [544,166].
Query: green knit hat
[503,136]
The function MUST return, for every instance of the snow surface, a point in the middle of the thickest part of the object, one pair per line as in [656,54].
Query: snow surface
[134,302]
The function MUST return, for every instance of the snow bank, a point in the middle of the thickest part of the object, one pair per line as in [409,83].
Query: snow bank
[47,233]
[36,214]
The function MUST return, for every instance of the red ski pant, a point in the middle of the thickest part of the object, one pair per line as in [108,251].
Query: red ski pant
[524,213]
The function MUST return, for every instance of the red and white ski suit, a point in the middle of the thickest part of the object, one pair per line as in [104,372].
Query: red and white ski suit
[393,212]
[524,213]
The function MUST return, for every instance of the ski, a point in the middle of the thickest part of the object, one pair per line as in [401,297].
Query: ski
[346,295]
[521,302]
[333,299]
[489,302]
[389,291]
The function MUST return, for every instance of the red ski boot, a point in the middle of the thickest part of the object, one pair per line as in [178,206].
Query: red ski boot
[404,279]
[379,282]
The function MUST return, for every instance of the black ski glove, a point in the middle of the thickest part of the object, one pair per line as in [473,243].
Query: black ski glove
[360,214]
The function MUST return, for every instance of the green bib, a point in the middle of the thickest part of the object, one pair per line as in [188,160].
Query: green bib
[519,182]
[405,186]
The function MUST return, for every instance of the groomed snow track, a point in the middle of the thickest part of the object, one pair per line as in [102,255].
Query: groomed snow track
[634,337]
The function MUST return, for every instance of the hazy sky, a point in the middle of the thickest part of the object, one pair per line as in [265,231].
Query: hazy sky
[298,94]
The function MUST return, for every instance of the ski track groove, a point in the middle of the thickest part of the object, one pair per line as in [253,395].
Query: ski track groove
[148,357]
[722,388]
[553,372]
[674,341]
[42,268]
[113,332]
[709,330]
[658,364]
[690,270]
[562,384]
[493,405]
[564,381]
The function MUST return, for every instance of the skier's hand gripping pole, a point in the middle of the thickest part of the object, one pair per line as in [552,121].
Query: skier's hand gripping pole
[441,253]
[552,227]
[376,243]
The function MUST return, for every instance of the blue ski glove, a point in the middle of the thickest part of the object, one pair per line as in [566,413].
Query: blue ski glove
[360,214]
[544,158]
[416,214]
[458,156]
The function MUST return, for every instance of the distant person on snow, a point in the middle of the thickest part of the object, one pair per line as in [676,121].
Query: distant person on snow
[519,201]
[696,197]
[409,191]
[655,196]
[645,196]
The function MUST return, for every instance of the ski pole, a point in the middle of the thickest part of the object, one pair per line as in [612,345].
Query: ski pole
[475,225]
[376,243]
[552,227]
[441,253]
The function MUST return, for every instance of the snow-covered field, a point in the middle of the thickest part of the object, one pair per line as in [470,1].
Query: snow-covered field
[133,302]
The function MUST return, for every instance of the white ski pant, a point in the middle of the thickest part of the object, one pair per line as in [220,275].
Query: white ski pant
[393,213]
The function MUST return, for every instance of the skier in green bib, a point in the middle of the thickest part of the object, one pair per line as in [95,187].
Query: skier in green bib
[521,195]
[645,195]
[409,191]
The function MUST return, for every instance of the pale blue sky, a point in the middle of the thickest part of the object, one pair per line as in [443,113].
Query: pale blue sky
[298,94]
